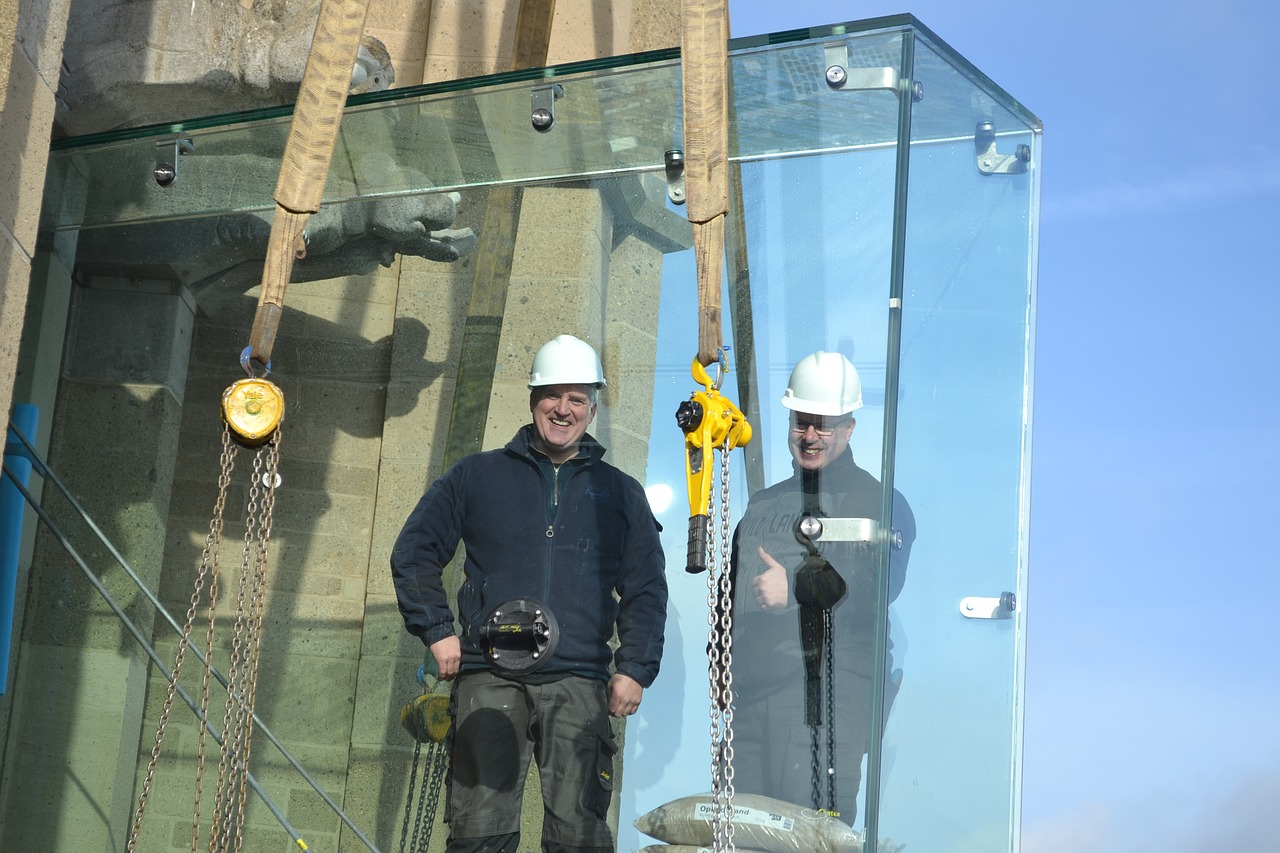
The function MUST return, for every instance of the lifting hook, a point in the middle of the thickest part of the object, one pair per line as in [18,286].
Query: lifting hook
[708,420]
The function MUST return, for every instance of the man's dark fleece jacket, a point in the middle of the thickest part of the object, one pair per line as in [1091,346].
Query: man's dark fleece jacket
[767,653]
[566,536]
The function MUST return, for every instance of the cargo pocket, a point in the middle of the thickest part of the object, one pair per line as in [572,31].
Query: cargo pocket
[599,783]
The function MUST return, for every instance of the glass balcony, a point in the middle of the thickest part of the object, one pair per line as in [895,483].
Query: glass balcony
[883,207]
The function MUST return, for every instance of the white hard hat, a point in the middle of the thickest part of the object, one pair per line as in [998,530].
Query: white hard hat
[824,383]
[566,360]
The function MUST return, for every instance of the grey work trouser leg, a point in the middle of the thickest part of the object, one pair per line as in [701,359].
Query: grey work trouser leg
[498,726]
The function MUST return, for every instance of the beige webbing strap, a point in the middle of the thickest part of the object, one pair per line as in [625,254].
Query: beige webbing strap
[307,155]
[704,70]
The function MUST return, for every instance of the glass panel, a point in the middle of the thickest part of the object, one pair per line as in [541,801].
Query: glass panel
[949,779]
[398,354]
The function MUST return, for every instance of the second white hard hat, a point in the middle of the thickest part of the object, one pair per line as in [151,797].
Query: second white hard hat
[824,383]
[566,360]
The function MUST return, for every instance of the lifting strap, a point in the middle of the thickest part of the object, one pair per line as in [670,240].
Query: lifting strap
[252,410]
[307,155]
[709,420]
[704,61]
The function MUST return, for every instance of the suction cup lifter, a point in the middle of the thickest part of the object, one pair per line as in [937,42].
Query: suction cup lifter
[519,636]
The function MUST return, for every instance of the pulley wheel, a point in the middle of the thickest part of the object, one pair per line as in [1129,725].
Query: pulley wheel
[519,636]
[253,408]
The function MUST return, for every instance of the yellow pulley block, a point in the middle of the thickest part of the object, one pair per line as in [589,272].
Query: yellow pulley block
[709,420]
[426,718]
[253,407]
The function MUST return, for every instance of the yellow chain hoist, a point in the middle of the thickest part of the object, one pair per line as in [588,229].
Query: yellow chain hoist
[709,421]
[253,407]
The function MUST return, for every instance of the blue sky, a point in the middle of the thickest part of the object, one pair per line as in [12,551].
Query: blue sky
[1152,663]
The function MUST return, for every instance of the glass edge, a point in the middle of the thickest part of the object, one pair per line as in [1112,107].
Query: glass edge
[976,76]
[741,43]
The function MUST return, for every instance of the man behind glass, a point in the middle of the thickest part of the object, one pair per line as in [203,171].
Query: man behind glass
[804,609]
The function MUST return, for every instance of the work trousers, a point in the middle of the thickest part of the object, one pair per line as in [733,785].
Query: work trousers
[498,726]
[773,748]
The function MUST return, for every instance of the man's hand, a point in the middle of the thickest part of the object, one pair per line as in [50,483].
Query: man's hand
[771,587]
[625,694]
[448,655]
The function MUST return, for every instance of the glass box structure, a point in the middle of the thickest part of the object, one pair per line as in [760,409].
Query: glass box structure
[884,201]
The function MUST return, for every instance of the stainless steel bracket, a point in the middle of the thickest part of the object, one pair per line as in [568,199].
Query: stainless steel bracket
[992,162]
[978,607]
[674,160]
[543,108]
[167,153]
[865,530]
[842,78]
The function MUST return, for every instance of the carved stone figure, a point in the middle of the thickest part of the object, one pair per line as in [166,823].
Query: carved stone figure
[159,61]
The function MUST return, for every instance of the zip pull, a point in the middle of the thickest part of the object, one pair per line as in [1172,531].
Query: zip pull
[551,531]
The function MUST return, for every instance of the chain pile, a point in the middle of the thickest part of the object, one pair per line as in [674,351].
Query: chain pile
[231,792]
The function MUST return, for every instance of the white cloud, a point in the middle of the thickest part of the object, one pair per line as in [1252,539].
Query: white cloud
[1086,829]
[1237,176]
[1236,816]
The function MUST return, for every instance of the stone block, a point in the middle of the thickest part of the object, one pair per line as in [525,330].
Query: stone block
[334,318]
[26,117]
[384,632]
[417,421]
[130,335]
[40,33]
[437,302]
[15,266]
[386,685]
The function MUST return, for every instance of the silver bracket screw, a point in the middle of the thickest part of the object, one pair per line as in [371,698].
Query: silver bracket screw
[543,113]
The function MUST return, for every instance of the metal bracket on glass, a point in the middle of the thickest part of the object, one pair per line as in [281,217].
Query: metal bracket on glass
[846,530]
[544,98]
[992,162]
[977,607]
[167,153]
[674,160]
[842,78]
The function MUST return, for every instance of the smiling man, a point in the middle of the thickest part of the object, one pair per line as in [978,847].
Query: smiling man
[805,609]
[555,533]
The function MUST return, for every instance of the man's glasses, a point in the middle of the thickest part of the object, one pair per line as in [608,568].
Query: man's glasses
[824,428]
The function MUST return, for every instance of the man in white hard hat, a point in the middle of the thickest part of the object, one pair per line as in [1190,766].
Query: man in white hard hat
[805,603]
[550,527]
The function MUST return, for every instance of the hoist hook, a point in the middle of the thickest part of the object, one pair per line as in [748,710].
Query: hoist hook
[246,363]
[709,421]
[254,406]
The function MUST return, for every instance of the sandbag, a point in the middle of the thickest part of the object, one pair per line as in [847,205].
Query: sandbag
[759,823]
[688,848]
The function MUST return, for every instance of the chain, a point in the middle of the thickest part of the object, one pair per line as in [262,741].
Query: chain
[829,642]
[428,797]
[829,722]
[230,802]
[413,783]
[437,760]
[208,568]
[720,642]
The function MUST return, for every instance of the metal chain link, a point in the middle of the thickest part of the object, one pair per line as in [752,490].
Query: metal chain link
[231,801]
[438,760]
[819,768]
[208,567]
[408,802]
[720,643]
[828,627]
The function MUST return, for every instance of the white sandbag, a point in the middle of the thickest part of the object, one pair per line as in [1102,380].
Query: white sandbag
[688,848]
[759,823]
